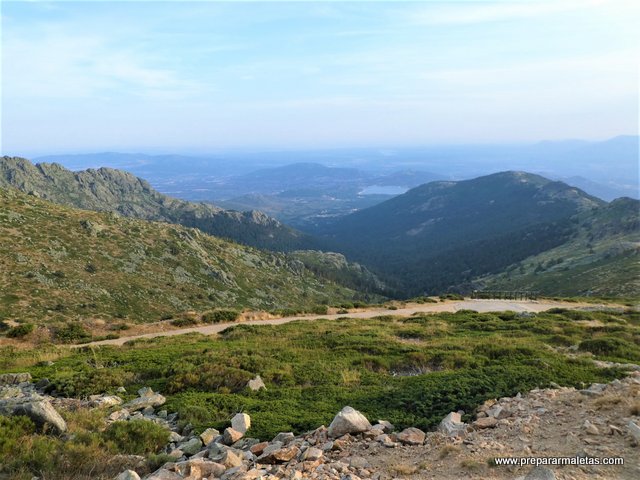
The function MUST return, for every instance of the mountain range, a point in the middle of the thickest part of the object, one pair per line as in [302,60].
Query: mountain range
[108,189]
[506,230]
[443,235]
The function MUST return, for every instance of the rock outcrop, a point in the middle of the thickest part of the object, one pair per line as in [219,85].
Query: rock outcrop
[18,396]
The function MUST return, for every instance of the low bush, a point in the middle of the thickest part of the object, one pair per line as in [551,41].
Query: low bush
[609,347]
[220,316]
[137,437]
[71,332]
[319,310]
[20,331]
[184,322]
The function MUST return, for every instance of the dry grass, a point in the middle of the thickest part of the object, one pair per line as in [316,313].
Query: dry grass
[404,469]
[448,450]
[472,465]
[350,377]
[20,356]
[607,401]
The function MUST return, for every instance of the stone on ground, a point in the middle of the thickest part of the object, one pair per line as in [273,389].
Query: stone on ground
[349,420]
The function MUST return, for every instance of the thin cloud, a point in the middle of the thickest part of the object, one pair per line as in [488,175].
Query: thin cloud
[467,13]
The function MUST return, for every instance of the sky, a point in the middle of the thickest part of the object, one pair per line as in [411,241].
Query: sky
[203,75]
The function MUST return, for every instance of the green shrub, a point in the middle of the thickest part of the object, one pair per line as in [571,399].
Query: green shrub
[137,437]
[320,310]
[83,382]
[561,340]
[184,322]
[20,330]
[71,332]
[609,347]
[219,316]
[119,326]
[208,377]
[11,430]
[451,296]
[345,305]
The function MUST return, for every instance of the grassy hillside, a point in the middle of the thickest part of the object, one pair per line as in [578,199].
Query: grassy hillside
[107,189]
[59,264]
[444,234]
[601,259]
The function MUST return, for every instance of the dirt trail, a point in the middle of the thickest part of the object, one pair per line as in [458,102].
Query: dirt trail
[452,306]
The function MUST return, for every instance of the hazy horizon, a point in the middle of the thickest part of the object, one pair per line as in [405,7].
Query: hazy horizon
[204,77]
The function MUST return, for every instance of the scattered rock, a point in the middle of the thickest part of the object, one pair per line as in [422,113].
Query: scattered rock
[14,378]
[387,427]
[191,447]
[540,473]
[163,474]
[39,410]
[146,399]
[452,425]
[258,448]
[358,462]
[590,428]
[231,436]
[411,436]
[230,459]
[256,384]
[311,454]
[634,430]
[486,422]
[284,437]
[241,422]
[279,455]
[349,420]
[128,475]
[209,435]
[103,401]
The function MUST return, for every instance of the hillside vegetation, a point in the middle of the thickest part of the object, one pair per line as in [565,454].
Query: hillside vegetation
[601,259]
[410,371]
[60,264]
[107,189]
[442,235]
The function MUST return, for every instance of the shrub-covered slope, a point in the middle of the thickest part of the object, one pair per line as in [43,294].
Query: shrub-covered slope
[59,263]
[601,259]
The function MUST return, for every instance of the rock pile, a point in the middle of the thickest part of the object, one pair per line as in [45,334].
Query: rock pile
[322,454]
[601,420]
[18,396]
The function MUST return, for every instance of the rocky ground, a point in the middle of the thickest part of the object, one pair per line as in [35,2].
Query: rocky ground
[597,422]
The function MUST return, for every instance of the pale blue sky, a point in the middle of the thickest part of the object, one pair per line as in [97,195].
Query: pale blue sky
[90,76]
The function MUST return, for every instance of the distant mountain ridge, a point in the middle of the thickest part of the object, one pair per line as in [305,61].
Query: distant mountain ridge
[107,189]
[444,234]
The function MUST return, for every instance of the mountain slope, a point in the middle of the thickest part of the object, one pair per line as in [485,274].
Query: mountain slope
[59,263]
[602,258]
[446,233]
[106,189]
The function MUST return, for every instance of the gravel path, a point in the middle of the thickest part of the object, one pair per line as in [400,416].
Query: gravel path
[165,329]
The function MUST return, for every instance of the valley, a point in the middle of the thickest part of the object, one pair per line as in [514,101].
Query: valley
[108,287]
[319,240]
